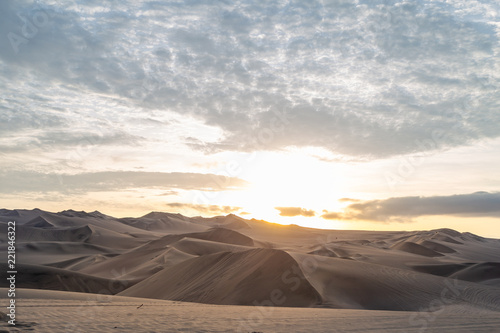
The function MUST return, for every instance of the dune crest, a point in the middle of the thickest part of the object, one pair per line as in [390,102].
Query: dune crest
[230,260]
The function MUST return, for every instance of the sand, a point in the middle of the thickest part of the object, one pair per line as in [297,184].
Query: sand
[56,311]
[212,275]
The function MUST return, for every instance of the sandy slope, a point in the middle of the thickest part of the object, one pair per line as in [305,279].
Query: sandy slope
[353,284]
[245,278]
[230,260]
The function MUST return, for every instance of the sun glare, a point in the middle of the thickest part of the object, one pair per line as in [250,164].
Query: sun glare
[287,180]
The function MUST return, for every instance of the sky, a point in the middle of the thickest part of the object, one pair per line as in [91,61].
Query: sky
[348,114]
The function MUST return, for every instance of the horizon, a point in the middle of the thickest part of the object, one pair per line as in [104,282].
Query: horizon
[249,219]
[379,115]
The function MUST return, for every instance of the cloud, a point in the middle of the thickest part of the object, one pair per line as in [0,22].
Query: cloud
[348,200]
[75,141]
[333,215]
[204,209]
[404,209]
[167,193]
[295,211]
[360,78]
[30,181]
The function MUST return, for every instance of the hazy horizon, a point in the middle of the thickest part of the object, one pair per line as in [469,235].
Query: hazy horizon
[437,226]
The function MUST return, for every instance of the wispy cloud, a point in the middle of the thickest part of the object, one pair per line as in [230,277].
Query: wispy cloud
[348,200]
[68,140]
[404,209]
[29,181]
[295,211]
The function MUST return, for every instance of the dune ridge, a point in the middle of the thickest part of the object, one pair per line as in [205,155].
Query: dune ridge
[230,260]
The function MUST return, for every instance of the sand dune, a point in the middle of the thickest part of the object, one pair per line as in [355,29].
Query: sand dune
[26,233]
[441,269]
[81,262]
[71,219]
[39,222]
[479,272]
[418,249]
[50,278]
[230,260]
[220,235]
[230,221]
[201,247]
[139,263]
[143,261]
[164,222]
[437,246]
[52,252]
[243,278]
[351,284]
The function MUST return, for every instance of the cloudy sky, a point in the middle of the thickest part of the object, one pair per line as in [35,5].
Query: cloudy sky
[344,114]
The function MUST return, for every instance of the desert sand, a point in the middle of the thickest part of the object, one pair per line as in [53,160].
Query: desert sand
[172,273]
[57,311]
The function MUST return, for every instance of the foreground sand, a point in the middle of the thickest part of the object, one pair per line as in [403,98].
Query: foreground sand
[56,311]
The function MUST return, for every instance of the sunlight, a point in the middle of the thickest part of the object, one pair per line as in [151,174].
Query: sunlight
[287,180]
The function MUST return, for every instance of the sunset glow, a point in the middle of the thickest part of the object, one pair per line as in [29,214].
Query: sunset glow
[360,116]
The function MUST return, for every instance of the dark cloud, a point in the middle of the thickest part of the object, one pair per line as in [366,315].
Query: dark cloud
[367,79]
[295,211]
[204,209]
[404,209]
[28,181]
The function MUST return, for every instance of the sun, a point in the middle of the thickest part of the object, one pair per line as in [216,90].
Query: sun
[291,179]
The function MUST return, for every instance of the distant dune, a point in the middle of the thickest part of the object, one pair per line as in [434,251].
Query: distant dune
[232,261]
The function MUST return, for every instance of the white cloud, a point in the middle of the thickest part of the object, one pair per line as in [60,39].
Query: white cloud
[359,78]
